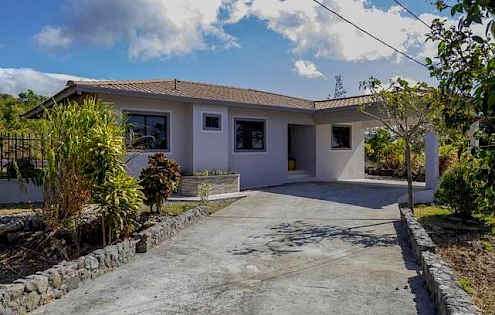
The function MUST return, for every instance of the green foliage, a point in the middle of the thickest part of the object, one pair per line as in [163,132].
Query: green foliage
[487,246]
[159,180]
[11,108]
[378,140]
[214,173]
[85,151]
[455,190]
[465,284]
[465,67]
[121,198]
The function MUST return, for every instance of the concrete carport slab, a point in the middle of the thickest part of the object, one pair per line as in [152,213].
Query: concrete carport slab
[310,248]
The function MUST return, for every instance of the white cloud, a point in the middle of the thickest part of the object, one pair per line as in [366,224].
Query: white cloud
[155,29]
[149,28]
[16,80]
[307,69]
[51,38]
[311,28]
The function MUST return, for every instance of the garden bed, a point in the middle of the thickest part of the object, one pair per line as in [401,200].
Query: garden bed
[468,246]
[218,184]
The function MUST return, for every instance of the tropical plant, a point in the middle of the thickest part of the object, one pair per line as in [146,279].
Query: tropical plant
[159,180]
[121,198]
[465,68]
[85,151]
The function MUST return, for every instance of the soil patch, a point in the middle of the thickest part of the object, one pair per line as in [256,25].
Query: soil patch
[470,251]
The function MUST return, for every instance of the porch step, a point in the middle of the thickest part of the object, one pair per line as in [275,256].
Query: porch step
[296,174]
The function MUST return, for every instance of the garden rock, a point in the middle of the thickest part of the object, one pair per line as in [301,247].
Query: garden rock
[37,283]
[11,227]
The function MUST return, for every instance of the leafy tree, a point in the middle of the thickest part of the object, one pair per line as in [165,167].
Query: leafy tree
[404,110]
[465,67]
[160,179]
[11,108]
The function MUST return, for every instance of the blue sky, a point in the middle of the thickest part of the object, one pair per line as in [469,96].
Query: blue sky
[291,47]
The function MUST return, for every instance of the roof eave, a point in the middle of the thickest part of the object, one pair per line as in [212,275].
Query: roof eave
[38,110]
[92,89]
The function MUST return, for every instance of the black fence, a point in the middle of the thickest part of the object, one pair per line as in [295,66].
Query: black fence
[21,155]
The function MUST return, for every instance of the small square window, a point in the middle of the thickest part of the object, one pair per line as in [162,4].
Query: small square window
[212,122]
[341,137]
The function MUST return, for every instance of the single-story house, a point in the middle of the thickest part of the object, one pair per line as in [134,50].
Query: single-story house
[214,127]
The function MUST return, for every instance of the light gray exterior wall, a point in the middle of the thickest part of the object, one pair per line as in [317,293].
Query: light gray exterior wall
[196,149]
[210,147]
[260,169]
[335,164]
[180,132]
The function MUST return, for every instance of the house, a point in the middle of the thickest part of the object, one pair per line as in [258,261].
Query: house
[207,126]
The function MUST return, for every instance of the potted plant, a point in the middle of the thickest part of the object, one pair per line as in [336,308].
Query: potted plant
[292,162]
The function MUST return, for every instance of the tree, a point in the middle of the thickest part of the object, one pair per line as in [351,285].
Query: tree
[465,67]
[339,88]
[404,110]
[11,108]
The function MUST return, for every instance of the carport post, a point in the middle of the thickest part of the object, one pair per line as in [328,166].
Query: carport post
[432,170]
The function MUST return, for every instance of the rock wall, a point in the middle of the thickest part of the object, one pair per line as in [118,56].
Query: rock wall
[27,294]
[441,281]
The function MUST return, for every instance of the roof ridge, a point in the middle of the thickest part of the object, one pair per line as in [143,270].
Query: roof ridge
[108,82]
[343,98]
[244,88]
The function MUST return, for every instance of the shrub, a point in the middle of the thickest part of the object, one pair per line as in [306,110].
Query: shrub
[121,199]
[159,180]
[85,152]
[455,191]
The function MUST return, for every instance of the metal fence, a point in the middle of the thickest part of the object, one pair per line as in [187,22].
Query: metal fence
[21,155]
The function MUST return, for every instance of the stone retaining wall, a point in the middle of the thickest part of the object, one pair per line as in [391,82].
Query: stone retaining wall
[443,285]
[27,294]
[219,184]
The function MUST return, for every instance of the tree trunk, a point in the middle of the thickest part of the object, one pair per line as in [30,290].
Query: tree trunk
[409,176]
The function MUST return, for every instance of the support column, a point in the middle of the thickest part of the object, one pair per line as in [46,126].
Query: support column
[432,169]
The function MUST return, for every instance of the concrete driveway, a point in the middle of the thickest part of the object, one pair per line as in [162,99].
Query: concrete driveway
[312,248]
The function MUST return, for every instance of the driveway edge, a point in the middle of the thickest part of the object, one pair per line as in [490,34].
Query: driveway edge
[27,294]
[441,281]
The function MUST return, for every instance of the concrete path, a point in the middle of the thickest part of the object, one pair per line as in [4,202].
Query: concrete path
[312,248]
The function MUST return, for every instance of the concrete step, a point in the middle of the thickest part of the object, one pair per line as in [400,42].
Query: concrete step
[299,174]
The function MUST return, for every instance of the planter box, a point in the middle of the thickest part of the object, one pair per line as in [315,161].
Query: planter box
[220,184]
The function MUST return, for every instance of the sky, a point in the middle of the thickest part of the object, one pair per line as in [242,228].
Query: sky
[292,47]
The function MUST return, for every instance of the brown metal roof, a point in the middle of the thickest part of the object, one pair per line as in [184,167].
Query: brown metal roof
[196,90]
[344,102]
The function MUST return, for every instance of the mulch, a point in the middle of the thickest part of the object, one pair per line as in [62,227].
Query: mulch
[471,254]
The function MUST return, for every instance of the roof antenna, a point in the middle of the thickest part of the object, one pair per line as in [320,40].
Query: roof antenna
[175,84]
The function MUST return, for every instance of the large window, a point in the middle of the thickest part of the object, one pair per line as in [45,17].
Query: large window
[250,135]
[341,137]
[150,131]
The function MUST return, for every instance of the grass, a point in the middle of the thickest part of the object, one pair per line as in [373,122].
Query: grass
[465,284]
[444,217]
[17,208]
